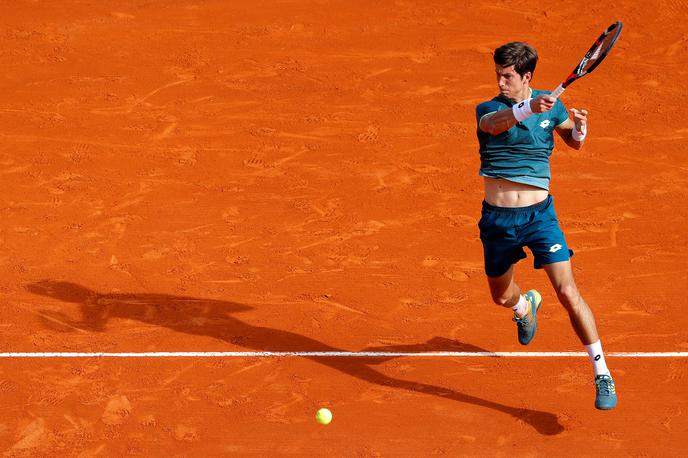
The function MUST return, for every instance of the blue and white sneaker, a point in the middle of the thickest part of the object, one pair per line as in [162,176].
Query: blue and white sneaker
[528,324]
[606,392]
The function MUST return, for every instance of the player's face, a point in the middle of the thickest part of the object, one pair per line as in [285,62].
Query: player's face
[511,84]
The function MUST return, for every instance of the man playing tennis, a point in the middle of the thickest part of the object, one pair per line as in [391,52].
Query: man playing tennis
[516,137]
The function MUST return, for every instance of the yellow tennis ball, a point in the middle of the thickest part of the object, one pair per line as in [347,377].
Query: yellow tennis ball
[323,416]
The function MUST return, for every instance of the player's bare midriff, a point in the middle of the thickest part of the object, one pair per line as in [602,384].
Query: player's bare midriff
[505,193]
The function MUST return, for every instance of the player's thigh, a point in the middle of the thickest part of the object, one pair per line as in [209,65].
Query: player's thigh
[561,276]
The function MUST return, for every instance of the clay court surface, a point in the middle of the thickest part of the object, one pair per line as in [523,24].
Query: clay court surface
[302,176]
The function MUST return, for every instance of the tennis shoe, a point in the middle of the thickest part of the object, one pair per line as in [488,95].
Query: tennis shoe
[527,325]
[606,392]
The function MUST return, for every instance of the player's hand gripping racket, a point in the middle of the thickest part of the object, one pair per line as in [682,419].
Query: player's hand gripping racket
[593,57]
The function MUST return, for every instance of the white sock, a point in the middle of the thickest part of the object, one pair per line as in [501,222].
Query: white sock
[521,307]
[597,358]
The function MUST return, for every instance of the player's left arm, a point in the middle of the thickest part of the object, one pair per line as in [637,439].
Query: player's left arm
[579,123]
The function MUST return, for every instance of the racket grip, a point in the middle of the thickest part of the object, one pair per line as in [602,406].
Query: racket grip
[558,91]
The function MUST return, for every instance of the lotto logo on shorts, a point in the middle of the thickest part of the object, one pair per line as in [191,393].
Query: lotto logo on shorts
[554,248]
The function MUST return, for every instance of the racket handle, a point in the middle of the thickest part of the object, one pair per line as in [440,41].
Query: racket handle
[558,91]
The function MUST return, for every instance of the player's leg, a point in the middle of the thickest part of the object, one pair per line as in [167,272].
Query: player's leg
[583,322]
[502,250]
[548,244]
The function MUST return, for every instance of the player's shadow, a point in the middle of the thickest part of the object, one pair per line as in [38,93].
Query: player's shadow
[216,319]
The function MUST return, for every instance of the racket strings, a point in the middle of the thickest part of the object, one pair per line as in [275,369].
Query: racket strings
[600,50]
[593,57]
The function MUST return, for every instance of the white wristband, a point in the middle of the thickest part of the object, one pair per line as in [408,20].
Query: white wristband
[522,110]
[579,136]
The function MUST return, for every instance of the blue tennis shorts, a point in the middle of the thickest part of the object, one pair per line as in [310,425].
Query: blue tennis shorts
[505,231]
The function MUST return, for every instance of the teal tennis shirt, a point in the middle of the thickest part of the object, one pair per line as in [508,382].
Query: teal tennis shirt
[522,153]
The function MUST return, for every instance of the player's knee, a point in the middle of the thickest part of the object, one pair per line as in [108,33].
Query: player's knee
[501,299]
[568,295]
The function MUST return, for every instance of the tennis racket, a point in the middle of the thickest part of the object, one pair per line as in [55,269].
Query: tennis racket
[593,57]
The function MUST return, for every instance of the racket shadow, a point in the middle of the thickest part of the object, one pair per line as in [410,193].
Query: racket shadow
[215,319]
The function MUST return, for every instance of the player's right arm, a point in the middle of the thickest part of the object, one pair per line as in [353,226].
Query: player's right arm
[500,121]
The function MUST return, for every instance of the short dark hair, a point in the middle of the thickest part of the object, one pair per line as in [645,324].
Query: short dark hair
[519,54]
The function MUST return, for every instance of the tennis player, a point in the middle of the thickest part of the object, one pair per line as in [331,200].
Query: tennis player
[516,137]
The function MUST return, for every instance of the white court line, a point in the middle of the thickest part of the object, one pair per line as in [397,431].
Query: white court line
[341,354]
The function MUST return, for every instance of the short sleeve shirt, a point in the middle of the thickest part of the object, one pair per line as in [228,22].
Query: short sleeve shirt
[522,153]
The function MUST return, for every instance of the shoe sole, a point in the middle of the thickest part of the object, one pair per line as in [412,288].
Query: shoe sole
[605,407]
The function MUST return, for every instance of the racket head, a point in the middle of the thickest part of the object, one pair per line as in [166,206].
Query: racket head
[597,52]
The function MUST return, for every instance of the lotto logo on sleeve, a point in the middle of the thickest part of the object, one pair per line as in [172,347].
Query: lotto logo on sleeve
[554,248]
